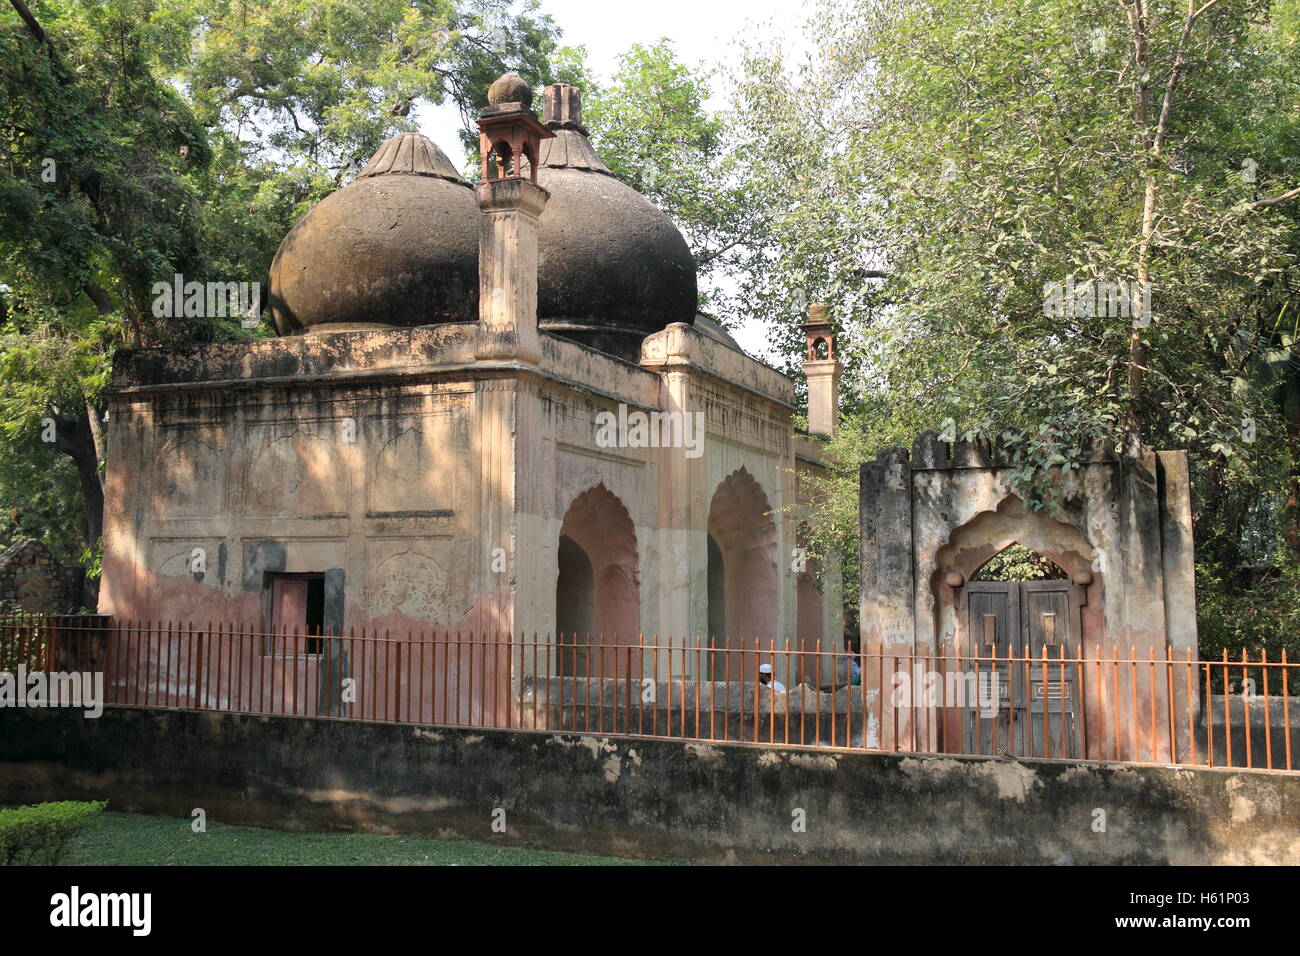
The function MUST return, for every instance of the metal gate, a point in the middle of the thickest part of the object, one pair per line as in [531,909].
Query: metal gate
[1027,706]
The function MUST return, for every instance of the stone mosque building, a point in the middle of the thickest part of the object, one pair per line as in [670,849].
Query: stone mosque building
[489,409]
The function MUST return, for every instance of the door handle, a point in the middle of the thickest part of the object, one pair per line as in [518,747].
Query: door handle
[991,633]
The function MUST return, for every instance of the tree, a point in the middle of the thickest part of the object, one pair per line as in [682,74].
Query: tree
[94,200]
[976,154]
[652,128]
[149,138]
[296,95]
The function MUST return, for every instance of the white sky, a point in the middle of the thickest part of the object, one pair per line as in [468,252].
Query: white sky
[703,31]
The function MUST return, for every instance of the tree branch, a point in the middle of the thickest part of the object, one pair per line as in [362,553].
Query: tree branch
[1276,200]
[38,31]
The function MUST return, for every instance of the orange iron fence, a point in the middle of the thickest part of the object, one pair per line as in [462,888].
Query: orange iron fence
[1122,707]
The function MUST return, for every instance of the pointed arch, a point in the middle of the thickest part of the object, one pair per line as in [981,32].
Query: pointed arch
[741,524]
[598,525]
[973,544]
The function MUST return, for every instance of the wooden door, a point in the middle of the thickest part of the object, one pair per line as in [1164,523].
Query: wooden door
[288,611]
[1049,632]
[1026,707]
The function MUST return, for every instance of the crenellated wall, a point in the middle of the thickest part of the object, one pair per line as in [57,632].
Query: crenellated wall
[1118,527]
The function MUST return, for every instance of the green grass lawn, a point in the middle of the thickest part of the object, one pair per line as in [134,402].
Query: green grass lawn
[128,838]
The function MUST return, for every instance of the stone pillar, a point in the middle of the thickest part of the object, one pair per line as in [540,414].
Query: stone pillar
[507,270]
[1177,555]
[1137,568]
[682,609]
[887,615]
[1177,552]
[823,396]
[1138,559]
[823,374]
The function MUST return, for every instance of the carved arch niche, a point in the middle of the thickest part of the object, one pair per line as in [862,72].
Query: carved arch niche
[973,544]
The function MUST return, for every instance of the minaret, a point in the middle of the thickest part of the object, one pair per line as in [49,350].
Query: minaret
[509,134]
[822,369]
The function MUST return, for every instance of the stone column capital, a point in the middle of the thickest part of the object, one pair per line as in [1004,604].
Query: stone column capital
[512,195]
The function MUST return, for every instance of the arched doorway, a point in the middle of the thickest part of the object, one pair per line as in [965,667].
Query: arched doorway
[597,589]
[574,607]
[743,569]
[1019,598]
[1019,613]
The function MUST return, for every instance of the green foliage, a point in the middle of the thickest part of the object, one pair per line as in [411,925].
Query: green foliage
[1018,563]
[1253,612]
[297,95]
[653,130]
[97,201]
[98,149]
[38,497]
[38,835]
[935,165]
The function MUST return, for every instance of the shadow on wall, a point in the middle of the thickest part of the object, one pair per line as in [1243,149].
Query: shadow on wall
[598,589]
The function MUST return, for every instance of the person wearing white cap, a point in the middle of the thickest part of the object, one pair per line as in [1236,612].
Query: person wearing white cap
[765,678]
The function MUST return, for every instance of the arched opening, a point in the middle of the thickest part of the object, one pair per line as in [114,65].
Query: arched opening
[598,525]
[529,161]
[1016,562]
[741,525]
[1020,601]
[1009,544]
[500,158]
[717,599]
[574,607]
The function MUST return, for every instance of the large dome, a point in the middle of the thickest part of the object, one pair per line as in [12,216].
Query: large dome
[612,268]
[398,246]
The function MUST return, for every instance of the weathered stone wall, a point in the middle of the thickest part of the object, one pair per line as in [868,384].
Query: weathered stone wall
[1246,732]
[33,580]
[1124,517]
[372,458]
[430,486]
[651,798]
[1119,526]
[1262,733]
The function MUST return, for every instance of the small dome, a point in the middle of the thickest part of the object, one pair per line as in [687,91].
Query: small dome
[397,246]
[612,268]
[510,88]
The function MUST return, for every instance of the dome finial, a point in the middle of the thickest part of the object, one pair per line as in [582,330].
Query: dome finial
[562,107]
[411,153]
[510,88]
[509,134]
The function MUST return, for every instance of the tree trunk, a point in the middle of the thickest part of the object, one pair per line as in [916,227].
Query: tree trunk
[75,437]
[1138,22]
[1291,512]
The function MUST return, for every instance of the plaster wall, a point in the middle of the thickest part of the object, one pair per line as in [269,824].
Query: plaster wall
[429,487]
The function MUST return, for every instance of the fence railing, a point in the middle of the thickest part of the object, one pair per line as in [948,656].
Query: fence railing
[1120,707]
